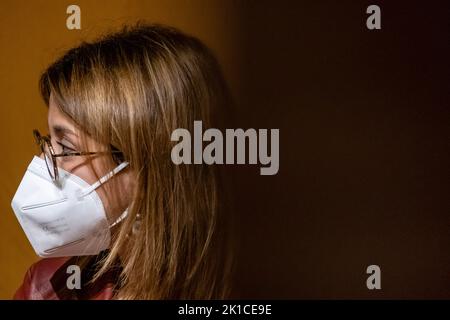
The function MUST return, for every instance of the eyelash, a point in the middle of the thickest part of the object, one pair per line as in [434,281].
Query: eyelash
[65,148]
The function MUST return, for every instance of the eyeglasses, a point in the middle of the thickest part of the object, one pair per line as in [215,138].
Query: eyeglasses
[45,145]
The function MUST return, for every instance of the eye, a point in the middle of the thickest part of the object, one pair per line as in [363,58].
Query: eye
[64,148]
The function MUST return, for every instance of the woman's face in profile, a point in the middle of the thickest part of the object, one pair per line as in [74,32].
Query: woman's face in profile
[66,136]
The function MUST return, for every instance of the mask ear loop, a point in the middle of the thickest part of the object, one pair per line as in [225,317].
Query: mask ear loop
[103,179]
[119,219]
[136,225]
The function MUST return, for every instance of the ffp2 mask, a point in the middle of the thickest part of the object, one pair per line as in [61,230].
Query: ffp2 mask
[64,220]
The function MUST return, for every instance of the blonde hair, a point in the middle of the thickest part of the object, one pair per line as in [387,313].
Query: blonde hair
[130,90]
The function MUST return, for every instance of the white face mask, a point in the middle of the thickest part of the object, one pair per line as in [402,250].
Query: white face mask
[65,220]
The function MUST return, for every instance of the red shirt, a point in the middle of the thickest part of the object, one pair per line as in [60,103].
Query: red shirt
[47,280]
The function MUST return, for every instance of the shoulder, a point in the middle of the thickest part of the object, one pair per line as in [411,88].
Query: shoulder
[47,280]
[36,283]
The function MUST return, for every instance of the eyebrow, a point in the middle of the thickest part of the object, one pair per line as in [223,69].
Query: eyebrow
[61,130]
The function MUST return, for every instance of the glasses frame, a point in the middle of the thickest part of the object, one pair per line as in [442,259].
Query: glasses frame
[43,141]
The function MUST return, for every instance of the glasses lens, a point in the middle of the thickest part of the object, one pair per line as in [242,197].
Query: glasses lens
[49,160]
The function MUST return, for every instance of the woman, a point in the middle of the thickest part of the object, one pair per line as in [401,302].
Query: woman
[104,199]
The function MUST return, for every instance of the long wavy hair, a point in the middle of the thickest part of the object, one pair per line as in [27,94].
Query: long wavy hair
[129,90]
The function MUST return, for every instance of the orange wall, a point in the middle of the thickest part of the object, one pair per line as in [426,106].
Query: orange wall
[32,34]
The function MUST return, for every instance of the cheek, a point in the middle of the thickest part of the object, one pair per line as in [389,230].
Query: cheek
[109,211]
[111,198]
[79,168]
[85,171]
[115,197]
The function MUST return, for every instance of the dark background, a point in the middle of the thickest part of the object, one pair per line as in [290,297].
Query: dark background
[364,150]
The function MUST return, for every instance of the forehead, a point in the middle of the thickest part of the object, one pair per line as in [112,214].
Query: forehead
[54,112]
[60,124]
[56,116]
